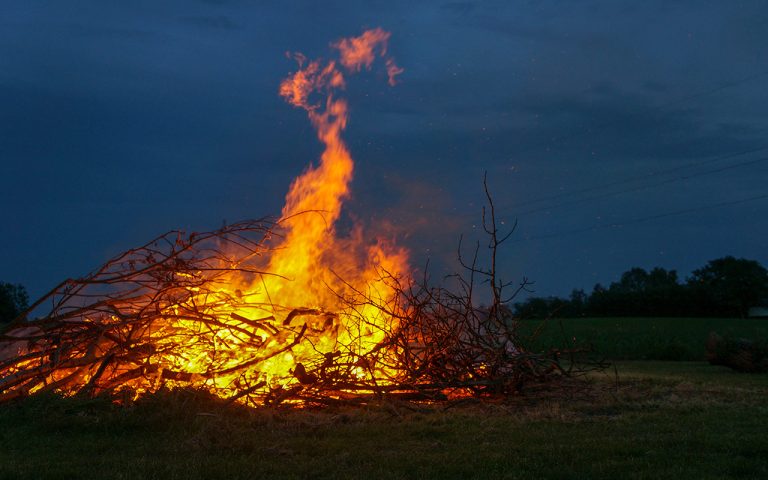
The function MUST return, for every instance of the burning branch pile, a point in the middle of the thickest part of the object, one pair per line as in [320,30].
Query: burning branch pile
[167,315]
[277,311]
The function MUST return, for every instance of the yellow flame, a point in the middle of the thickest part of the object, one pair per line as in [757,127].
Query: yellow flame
[263,330]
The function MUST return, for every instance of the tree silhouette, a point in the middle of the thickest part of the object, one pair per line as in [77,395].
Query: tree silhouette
[13,301]
[729,285]
[724,287]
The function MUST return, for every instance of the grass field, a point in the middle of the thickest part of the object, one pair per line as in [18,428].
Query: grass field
[660,420]
[646,338]
[654,420]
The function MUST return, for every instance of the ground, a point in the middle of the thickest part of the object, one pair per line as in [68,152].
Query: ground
[643,419]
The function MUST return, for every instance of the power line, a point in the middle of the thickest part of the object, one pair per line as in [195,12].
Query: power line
[710,91]
[684,99]
[578,201]
[719,88]
[642,187]
[639,177]
[677,101]
[643,219]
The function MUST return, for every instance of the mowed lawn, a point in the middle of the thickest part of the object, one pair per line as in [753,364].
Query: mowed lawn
[641,420]
[644,338]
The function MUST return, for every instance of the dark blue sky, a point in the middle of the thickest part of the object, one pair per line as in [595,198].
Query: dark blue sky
[597,121]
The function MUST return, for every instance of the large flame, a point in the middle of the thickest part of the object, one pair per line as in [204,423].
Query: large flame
[317,268]
[312,273]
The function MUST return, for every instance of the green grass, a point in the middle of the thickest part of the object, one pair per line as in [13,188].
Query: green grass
[656,420]
[645,419]
[645,338]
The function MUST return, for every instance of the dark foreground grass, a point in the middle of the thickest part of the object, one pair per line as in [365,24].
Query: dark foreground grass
[656,420]
[621,338]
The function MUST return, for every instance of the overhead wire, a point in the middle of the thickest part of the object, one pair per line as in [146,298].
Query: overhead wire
[656,173]
[642,187]
[688,166]
[642,219]
[652,174]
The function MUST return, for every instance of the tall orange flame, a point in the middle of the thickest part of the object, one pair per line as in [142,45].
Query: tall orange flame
[311,243]
[248,347]
[317,267]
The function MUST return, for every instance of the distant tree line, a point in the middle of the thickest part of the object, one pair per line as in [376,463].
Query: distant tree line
[724,287]
[13,301]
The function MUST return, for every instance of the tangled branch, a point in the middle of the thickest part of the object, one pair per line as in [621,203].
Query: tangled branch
[190,311]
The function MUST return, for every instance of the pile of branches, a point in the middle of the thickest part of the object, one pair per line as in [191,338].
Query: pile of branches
[449,342]
[140,323]
[105,331]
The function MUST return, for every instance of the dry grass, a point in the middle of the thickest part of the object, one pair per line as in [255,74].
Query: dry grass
[659,420]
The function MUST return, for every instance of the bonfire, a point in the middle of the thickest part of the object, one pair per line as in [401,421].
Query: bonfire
[278,310]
